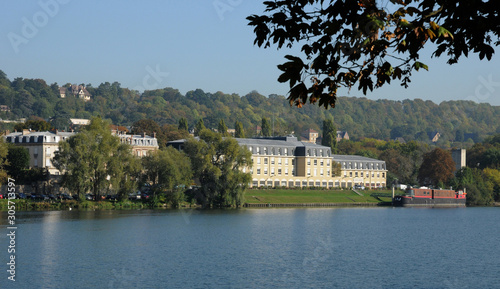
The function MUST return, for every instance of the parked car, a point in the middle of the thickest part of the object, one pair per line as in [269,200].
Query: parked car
[359,187]
[89,197]
[52,197]
[111,197]
[21,196]
[65,196]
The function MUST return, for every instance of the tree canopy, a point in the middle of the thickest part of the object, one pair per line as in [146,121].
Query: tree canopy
[368,43]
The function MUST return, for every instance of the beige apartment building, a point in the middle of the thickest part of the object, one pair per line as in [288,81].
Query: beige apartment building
[43,145]
[286,162]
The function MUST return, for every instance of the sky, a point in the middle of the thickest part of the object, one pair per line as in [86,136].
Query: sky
[187,44]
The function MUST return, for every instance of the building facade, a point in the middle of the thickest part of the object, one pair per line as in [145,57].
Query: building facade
[287,162]
[41,146]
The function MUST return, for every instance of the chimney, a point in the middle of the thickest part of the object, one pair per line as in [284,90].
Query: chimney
[154,134]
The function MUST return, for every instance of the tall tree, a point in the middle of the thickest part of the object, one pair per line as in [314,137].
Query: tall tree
[329,138]
[437,167]
[95,161]
[369,43]
[222,128]
[183,124]
[4,151]
[265,127]
[18,162]
[218,164]
[239,132]
[169,171]
[200,125]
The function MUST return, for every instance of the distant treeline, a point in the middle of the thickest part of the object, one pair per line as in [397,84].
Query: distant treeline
[459,123]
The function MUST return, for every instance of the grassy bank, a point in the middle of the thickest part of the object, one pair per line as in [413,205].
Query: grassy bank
[29,205]
[294,196]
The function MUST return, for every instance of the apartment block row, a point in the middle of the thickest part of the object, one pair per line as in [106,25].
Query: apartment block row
[287,162]
[43,145]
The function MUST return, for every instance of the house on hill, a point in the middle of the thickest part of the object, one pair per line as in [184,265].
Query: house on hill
[77,90]
[342,135]
[310,136]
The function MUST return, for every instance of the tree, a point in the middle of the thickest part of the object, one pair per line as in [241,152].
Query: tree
[478,188]
[368,43]
[329,138]
[4,151]
[239,132]
[222,128]
[150,127]
[265,127]
[169,171]
[183,124]
[18,160]
[36,124]
[95,161]
[200,125]
[218,165]
[437,166]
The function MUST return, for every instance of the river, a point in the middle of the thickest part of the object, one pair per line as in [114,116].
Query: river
[255,248]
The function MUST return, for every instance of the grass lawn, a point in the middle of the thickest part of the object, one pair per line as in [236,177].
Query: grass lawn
[281,196]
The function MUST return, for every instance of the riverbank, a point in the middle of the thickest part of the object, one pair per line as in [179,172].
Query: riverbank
[316,198]
[255,198]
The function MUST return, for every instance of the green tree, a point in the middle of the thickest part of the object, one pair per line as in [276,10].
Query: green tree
[437,166]
[18,160]
[200,125]
[169,171]
[239,132]
[329,138]
[218,165]
[369,43]
[265,127]
[95,161]
[222,128]
[4,151]
[183,124]
[478,188]
[36,124]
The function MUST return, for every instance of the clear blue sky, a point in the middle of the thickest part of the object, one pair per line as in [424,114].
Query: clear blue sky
[191,44]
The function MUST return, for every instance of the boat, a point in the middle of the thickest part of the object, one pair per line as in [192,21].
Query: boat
[426,197]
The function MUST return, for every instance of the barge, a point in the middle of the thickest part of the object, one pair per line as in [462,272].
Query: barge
[430,198]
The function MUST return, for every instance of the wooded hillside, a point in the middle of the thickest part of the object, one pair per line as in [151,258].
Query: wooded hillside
[460,121]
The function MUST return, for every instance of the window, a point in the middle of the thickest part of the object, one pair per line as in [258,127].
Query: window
[321,172]
[315,162]
[279,161]
[383,175]
[258,161]
[355,174]
[285,150]
[361,174]
[328,172]
[258,171]
[321,163]
[265,161]
[265,150]
[272,171]
[257,149]
[272,161]
[265,171]
[328,163]
[286,162]
[308,172]
[315,171]
[293,162]
[279,171]
[350,174]
[250,148]
[308,162]
[286,172]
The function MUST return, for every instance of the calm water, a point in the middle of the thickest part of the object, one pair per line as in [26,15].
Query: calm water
[256,248]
